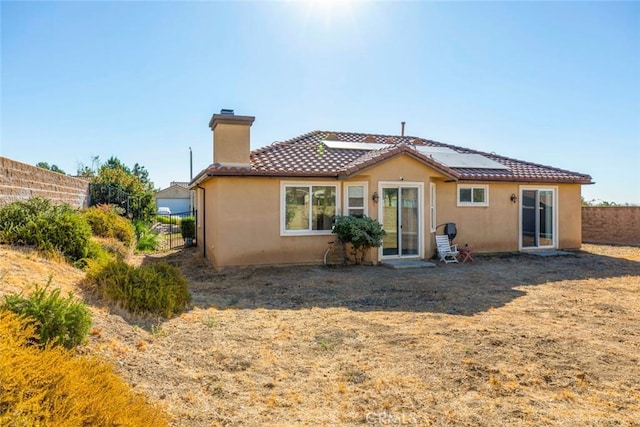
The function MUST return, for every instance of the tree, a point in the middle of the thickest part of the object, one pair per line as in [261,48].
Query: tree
[122,179]
[52,168]
[85,171]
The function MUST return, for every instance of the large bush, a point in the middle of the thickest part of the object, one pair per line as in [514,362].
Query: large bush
[54,387]
[157,288]
[49,228]
[58,320]
[105,222]
[362,233]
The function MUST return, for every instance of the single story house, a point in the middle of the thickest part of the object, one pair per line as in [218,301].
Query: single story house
[275,205]
[176,197]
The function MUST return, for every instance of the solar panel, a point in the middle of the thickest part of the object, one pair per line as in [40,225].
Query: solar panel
[444,155]
[430,150]
[346,145]
[454,159]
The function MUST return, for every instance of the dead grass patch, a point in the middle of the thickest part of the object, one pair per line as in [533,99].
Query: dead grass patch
[511,340]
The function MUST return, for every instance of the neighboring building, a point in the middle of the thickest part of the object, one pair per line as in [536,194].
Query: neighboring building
[275,205]
[176,197]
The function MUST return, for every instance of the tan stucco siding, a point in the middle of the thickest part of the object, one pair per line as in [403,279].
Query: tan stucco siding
[243,215]
[492,228]
[231,144]
[246,228]
[496,227]
[569,216]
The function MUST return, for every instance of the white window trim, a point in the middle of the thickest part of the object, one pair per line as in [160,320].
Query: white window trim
[472,186]
[283,208]
[346,196]
[432,207]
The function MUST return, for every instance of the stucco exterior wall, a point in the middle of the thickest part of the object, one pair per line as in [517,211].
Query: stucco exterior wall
[492,228]
[611,224]
[569,217]
[243,216]
[496,227]
[231,144]
[20,181]
[243,225]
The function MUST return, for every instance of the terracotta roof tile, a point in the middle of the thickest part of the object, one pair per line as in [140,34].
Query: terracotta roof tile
[307,156]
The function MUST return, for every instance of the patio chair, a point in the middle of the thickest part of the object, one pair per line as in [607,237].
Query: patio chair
[446,251]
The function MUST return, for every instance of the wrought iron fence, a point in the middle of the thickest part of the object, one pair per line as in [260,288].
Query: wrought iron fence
[176,230]
[109,194]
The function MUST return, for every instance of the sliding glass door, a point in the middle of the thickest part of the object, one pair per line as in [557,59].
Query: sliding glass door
[401,221]
[538,218]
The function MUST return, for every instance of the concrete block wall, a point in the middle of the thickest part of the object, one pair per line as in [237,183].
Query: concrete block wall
[20,181]
[611,224]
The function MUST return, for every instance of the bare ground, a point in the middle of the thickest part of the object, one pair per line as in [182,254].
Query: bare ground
[507,340]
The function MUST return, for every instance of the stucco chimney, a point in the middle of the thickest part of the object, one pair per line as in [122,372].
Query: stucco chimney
[231,138]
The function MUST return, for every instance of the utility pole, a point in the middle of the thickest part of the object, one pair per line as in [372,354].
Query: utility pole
[190,164]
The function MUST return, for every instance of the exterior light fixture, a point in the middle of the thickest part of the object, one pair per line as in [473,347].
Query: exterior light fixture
[514,198]
[375,197]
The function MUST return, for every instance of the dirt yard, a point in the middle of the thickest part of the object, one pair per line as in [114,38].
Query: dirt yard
[511,340]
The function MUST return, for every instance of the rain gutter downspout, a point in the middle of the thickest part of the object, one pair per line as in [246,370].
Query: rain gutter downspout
[204,220]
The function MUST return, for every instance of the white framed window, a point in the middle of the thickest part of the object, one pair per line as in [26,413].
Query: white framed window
[355,199]
[307,208]
[432,206]
[473,195]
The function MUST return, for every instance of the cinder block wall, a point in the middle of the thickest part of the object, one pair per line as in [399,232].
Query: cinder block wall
[20,181]
[611,224]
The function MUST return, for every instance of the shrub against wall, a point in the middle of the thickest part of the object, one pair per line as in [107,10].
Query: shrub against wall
[361,233]
[52,387]
[106,222]
[49,228]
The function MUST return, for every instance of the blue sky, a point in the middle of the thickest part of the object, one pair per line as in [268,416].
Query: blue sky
[556,83]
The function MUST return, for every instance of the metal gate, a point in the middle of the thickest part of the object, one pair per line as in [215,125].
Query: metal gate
[171,232]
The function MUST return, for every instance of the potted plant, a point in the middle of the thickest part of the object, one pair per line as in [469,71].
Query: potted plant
[188,230]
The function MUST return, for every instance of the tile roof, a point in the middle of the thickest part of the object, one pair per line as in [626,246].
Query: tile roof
[307,156]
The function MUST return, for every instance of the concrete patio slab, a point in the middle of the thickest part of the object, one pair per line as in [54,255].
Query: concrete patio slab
[408,263]
[550,253]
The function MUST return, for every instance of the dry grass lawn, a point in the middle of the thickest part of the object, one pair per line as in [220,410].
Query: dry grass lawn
[510,340]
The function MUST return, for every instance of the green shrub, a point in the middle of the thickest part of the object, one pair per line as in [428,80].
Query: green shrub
[188,227]
[97,253]
[362,233]
[53,386]
[147,240]
[157,288]
[106,222]
[49,228]
[61,321]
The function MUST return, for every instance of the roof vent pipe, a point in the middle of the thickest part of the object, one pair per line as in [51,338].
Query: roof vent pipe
[402,132]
